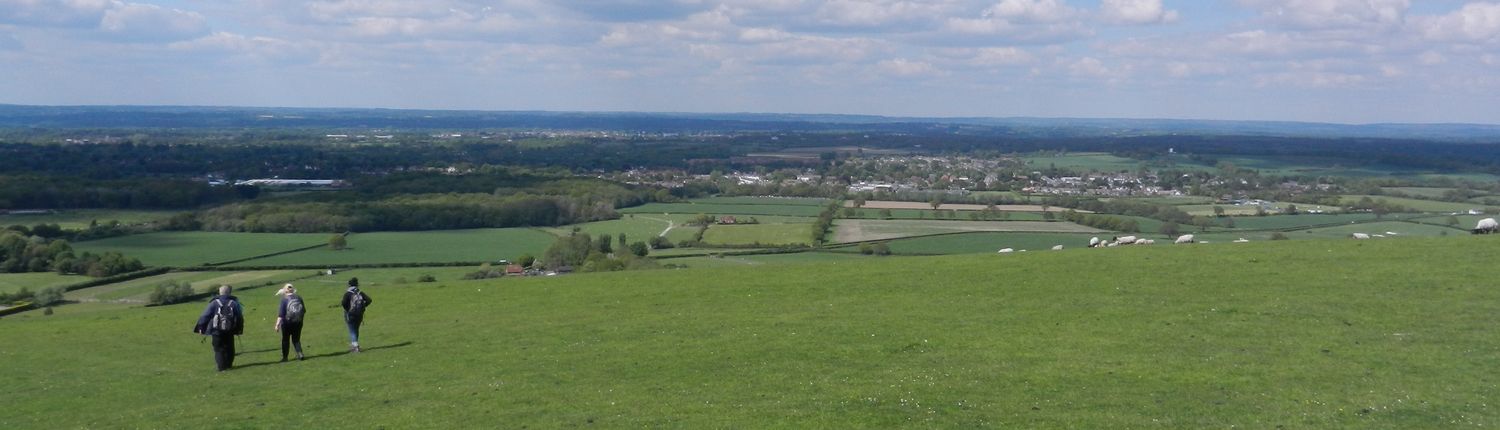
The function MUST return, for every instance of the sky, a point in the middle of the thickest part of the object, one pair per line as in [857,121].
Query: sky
[1344,61]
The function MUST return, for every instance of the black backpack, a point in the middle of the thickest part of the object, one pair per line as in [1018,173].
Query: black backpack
[226,320]
[294,308]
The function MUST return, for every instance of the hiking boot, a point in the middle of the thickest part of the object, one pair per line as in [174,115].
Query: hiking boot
[299,356]
[283,359]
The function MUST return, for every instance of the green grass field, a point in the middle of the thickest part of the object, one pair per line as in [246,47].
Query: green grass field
[974,243]
[774,201]
[724,209]
[1285,222]
[1416,204]
[439,246]
[1083,161]
[197,247]
[865,230]
[765,260]
[918,214]
[75,219]
[761,234]
[12,282]
[1402,229]
[642,227]
[1246,210]
[139,290]
[1334,334]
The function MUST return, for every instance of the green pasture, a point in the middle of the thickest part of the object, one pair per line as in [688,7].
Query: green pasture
[1415,204]
[1402,230]
[139,290]
[1288,222]
[698,251]
[989,242]
[1246,210]
[917,214]
[725,209]
[1464,221]
[765,260]
[438,246]
[773,201]
[637,227]
[758,234]
[1083,161]
[1169,200]
[193,248]
[867,230]
[76,219]
[1420,192]
[1300,334]
[12,282]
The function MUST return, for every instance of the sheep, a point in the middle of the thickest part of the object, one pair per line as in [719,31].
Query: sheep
[1126,240]
[1057,248]
[1380,236]
[1391,233]
[1143,242]
[1241,240]
[1186,238]
[1360,236]
[1486,226]
[1007,250]
[1094,242]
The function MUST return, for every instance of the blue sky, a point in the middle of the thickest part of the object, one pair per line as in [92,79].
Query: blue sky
[1348,61]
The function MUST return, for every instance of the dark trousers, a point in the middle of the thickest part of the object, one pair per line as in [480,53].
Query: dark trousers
[224,351]
[291,335]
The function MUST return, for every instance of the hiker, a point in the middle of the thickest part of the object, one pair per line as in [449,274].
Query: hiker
[355,302]
[223,319]
[289,317]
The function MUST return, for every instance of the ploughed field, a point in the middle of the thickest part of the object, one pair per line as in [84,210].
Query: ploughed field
[1296,334]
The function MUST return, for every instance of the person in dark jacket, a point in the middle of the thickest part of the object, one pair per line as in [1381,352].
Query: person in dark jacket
[289,317]
[223,340]
[354,302]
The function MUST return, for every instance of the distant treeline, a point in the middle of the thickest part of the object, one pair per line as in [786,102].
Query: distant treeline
[19,253]
[67,192]
[491,197]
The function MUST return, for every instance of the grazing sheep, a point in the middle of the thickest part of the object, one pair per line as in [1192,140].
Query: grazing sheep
[1186,238]
[1486,226]
[1057,248]
[1360,236]
[1112,244]
[1126,240]
[1241,240]
[1094,242]
[1007,250]
[1379,236]
[1392,233]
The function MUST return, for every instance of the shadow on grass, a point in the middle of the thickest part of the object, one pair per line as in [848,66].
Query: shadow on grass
[325,355]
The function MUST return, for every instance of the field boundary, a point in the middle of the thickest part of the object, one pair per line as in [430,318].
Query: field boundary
[741,253]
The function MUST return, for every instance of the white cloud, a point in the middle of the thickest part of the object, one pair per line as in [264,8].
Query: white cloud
[1333,14]
[906,68]
[1475,22]
[146,22]
[84,13]
[878,13]
[1030,21]
[1136,12]
[1031,11]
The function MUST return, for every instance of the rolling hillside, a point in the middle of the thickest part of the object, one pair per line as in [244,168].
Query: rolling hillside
[1293,334]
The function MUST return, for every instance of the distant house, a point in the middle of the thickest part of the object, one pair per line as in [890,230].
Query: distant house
[514,270]
[727,220]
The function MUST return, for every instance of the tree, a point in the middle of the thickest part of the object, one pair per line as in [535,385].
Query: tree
[621,243]
[936,203]
[1278,236]
[1291,209]
[640,249]
[866,248]
[1169,229]
[525,260]
[1451,220]
[337,242]
[885,214]
[882,248]
[1229,222]
[603,243]
[859,201]
[1218,211]
[48,297]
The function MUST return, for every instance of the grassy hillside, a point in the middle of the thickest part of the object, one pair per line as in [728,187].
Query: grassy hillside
[192,248]
[439,246]
[1299,334]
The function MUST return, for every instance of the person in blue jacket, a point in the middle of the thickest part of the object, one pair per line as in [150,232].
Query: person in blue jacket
[223,319]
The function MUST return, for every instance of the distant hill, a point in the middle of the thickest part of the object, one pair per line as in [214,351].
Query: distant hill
[63,117]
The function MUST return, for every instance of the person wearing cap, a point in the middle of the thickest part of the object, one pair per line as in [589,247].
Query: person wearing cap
[355,302]
[289,317]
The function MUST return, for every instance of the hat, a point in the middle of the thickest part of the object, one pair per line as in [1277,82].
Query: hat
[354,282]
[286,289]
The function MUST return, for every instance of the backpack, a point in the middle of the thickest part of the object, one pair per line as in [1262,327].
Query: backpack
[226,319]
[294,309]
[357,304]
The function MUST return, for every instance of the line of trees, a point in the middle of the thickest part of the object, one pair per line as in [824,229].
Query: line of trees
[19,254]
